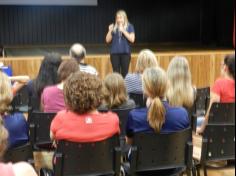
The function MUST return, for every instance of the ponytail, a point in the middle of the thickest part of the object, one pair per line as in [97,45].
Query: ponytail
[156,115]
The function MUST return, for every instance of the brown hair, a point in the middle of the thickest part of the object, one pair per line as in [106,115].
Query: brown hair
[66,68]
[155,86]
[3,138]
[114,90]
[83,92]
[229,61]
[6,94]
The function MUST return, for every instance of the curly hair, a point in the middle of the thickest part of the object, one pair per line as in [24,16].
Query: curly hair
[83,92]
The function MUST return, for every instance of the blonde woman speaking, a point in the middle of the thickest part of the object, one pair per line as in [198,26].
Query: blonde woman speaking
[121,35]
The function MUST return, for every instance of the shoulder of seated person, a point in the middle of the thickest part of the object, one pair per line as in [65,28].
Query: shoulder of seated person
[23,169]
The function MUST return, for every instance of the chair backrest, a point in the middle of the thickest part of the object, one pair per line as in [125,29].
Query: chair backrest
[202,100]
[152,152]
[40,123]
[87,159]
[20,101]
[22,153]
[138,99]
[218,143]
[123,115]
[222,113]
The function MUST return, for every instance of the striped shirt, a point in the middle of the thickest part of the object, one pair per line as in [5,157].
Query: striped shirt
[133,83]
[88,69]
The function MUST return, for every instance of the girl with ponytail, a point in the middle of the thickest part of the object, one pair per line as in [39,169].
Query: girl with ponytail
[158,116]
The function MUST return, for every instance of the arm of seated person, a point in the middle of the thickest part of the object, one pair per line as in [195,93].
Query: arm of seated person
[23,169]
[20,79]
[214,98]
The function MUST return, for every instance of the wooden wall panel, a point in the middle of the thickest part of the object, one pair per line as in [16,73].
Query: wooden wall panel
[205,66]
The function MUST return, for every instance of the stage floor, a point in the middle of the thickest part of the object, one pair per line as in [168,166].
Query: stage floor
[20,51]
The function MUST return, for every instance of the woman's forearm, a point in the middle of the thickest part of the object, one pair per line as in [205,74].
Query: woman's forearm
[109,37]
[130,36]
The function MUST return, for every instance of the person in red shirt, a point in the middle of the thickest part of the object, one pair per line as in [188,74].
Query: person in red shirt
[223,91]
[81,122]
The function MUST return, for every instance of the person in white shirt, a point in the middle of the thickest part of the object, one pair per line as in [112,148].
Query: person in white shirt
[78,52]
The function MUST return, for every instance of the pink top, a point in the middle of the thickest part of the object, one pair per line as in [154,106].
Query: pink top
[6,170]
[225,88]
[53,99]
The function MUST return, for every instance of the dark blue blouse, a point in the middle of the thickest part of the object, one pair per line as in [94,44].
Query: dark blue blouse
[120,44]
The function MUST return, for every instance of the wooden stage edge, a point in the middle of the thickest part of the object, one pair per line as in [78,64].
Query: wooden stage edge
[205,65]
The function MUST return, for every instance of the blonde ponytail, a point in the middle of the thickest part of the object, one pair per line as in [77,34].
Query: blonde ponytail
[155,86]
[156,115]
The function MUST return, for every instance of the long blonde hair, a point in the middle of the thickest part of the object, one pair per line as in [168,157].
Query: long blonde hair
[6,94]
[114,90]
[3,138]
[124,15]
[154,86]
[180,91]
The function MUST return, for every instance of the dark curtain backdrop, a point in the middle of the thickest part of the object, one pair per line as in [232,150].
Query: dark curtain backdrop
[155,21]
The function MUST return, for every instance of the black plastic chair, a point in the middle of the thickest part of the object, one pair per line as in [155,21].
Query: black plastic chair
[157,152]
[139,99]
[20,102]
[222,113]
[218,144]
[88,159]
[202,101]
[40,130]
[22,153]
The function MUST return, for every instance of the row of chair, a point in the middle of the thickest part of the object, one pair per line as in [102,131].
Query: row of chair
[150,152]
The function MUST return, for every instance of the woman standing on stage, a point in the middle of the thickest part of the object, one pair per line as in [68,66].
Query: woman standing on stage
[121,35]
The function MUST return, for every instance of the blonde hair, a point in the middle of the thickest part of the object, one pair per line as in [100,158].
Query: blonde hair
[3,138]
[124,15]
[114,90]
[6,94]
[180,92]
[155,85]
[146,59]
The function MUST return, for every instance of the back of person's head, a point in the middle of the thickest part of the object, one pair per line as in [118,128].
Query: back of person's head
[47,75]
[6,94]
[3,138]
[154,86]
[180,91]
[115,93]
[146,59]
[66,68]
[83,92]
[229,61]
[77,52]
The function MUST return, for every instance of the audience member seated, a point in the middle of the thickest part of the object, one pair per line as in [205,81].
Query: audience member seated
[47,76]
[15,123]
[82,122]
[52,99]
[133,81]
[115,94]
[78,52]
[180,90]
[159,116]
[18,82]
[18,169]
[223,91]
